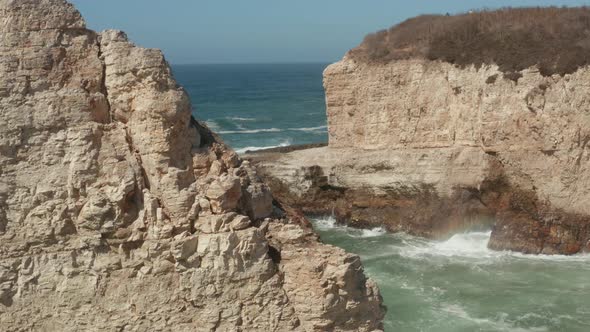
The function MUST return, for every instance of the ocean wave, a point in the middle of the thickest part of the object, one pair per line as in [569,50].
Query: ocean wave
[470,246]
[250,131]
[329,222]
[237,118]
[243,130]
[257,148]
[319,128]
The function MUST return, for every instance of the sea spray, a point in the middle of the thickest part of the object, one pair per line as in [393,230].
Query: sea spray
[458,284]
[329,223]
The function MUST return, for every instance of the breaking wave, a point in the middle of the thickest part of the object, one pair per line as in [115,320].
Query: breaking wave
[258,148]
[243,130]
[237,118]
[250,131]
[470,246]
[329,223]
[319,128]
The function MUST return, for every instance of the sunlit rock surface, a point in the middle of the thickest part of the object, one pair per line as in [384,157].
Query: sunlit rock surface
[120,212]
[429,148]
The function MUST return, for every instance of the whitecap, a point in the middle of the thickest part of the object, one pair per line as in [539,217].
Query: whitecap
[325,223]
[329,222]
[373,232]
[472,246]
[251,131]
[258,148]
[308,129]
[237,118]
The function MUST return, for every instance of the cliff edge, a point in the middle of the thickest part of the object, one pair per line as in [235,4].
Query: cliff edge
[119,211]
[431,144]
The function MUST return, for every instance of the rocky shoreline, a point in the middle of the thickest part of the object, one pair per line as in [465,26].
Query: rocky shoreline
[121,212]
[416,209]
[324,181]
[429,141]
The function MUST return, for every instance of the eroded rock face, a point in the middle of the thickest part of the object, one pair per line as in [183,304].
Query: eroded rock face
[529,133]
[429,148]
[118,211]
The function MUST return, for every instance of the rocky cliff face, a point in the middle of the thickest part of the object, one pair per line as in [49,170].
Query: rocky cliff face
[119,211]
[479,130]
[429,148]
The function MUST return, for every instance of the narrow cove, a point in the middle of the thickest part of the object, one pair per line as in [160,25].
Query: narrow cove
[461,285]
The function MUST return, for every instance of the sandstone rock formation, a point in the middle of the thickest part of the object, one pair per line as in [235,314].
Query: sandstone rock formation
[120,212]
[428,147]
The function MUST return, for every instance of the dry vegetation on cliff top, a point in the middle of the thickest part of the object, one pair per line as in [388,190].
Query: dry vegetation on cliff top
[557,40]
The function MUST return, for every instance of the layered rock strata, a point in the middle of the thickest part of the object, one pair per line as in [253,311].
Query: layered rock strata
[120,212]
[430,148]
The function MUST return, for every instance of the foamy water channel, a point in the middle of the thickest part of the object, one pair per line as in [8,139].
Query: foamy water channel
[461,285]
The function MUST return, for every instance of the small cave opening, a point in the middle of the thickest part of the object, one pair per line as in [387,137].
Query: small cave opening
[274,254]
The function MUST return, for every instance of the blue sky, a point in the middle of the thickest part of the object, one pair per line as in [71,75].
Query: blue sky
[265,31]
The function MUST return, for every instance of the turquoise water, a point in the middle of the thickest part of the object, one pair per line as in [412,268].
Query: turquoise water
[257,106]
[460,285]
[455,285]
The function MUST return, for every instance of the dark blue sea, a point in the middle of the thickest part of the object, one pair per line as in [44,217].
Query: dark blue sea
[259,105]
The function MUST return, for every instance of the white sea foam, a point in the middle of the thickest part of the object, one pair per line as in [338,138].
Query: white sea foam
[251,131]
[373,232]
[409,266]
[326,223]
[464,244]
[472,246]
[237,118]
[258,148]
[242,130]
[329,222]
[309,129]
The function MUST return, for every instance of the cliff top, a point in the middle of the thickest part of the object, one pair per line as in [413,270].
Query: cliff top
[557,40]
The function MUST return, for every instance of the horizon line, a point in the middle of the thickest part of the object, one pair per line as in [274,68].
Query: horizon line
[249,63]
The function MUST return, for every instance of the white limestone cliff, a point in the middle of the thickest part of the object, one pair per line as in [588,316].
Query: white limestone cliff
[431,148]
[120,212]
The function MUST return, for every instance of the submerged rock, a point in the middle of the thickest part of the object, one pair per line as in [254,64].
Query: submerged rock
[119,211]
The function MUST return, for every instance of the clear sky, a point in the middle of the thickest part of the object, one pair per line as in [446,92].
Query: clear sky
[266,31]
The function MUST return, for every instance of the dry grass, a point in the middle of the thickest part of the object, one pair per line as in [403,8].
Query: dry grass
[557,40]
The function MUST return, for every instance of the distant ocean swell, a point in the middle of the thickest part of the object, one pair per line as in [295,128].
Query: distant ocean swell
[280,104]
[237,118]
[267,130]
[258,148]
[219,126]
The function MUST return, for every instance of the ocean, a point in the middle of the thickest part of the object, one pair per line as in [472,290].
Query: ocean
[453,285]
[259,105]
[461,285]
